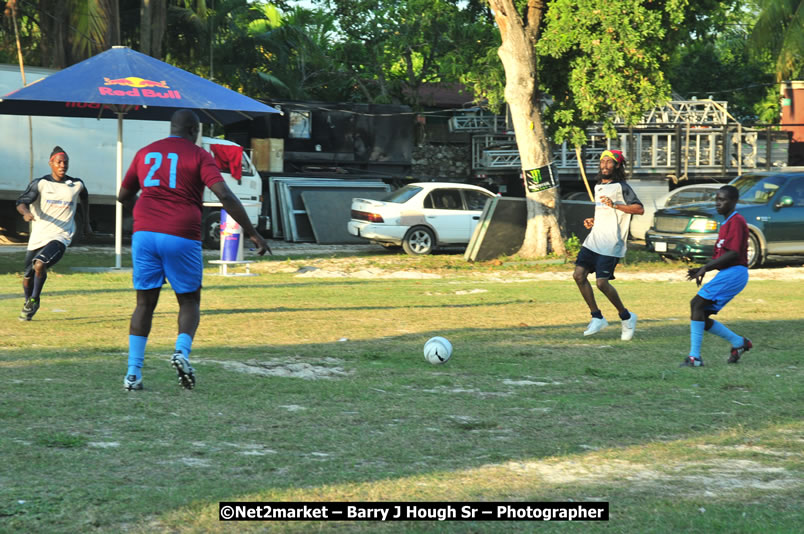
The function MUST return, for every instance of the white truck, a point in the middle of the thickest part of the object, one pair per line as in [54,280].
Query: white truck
[92,147]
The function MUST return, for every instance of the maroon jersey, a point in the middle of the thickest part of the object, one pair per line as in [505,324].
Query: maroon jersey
[171,173]
[733,235]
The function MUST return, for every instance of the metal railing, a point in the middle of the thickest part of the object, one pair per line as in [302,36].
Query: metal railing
[477,121]
[695,112]
[677,151]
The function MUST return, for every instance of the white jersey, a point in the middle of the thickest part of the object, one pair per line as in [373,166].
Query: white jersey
[53,203]
[610,232]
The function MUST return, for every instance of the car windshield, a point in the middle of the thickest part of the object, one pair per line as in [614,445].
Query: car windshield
[402,195]
[692,196]
[756,189]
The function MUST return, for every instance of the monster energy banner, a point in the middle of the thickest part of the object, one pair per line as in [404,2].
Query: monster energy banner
[540,179]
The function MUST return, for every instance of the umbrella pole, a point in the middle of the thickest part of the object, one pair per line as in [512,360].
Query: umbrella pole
[118,215]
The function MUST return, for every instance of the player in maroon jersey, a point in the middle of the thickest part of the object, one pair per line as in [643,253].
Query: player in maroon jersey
[731,260]
[170,175]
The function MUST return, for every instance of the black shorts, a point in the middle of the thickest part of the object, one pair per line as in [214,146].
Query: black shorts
[603,266]
[50,255]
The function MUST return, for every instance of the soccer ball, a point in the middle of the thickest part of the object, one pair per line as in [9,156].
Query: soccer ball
[437,350]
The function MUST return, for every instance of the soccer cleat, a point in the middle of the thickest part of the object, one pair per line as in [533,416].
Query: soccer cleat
[629,326]
[737,352]
[132,383]
[690,361]
[595,326]
[183,369]
[29,309]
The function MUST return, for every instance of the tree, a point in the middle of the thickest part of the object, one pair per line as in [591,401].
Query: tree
[520,31]
[153,23]
[594,61]
[729,68]
[780,29]
[392,47]
[57,34]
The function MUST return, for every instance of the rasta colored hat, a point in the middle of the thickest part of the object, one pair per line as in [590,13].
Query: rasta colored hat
[616,155]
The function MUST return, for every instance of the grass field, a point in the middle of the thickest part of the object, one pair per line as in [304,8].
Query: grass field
[312,387]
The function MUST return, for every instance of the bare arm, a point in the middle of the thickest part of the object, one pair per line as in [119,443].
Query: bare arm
[126,197]
[728,258]
[84,199]
[24,210]
[633,209]
[234,208]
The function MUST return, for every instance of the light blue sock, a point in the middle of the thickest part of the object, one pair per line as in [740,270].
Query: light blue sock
[720,330]
[184,344]
[696,338]
[136,354]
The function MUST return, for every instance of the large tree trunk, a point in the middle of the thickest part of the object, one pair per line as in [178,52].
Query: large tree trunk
[518,56]
[54,17]
[153,22]
[113,28]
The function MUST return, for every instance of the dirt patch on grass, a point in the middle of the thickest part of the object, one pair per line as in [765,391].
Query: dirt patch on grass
[323,369]
[394,267]
[705,478]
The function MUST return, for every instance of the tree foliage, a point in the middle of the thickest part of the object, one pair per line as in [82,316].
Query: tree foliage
[780,30]
[392,47]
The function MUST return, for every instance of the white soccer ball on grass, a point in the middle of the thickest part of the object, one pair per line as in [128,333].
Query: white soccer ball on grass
[437,350]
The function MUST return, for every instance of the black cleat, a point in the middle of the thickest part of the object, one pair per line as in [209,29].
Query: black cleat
[29,309]
[689,361]
[183,369]
[736,353]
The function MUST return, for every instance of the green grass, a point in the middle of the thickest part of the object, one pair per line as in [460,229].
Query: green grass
[526,410]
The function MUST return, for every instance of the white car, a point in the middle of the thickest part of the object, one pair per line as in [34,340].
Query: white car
[690,194]
[420,216]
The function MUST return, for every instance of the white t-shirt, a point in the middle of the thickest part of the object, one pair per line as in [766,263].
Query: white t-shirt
[610,232]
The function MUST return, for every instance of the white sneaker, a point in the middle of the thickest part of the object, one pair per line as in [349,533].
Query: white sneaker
[629,326]
[595,326]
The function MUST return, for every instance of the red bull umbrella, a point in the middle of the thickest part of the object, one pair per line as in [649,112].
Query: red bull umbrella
[121,82]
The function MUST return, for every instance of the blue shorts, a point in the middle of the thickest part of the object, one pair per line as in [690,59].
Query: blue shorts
[158,256]
[724,287]
[603,266]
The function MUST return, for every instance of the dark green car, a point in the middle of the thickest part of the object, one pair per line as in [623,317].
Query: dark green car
[772,204]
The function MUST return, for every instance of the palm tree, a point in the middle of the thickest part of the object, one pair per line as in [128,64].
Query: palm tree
[780,29]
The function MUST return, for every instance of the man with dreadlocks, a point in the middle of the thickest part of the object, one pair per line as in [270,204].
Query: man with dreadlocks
[615,202]
[50,204]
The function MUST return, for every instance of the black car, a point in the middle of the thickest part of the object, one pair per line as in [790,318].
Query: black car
[772,204]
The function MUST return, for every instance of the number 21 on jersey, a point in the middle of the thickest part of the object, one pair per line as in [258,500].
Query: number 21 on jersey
[156,158]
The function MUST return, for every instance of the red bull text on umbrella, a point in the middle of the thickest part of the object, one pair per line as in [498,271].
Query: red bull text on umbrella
[139,87]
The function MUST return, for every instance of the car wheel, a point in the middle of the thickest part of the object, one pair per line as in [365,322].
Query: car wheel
[419,241]
[211,230]
[754,252]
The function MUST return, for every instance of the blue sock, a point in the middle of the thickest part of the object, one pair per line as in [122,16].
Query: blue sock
[38,284]
[136,354]
[27,290]
[597,314]
[696,337]
[624,316]
[720,330]
[184,344]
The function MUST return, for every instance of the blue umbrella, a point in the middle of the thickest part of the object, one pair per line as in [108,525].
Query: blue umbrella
[122,82]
